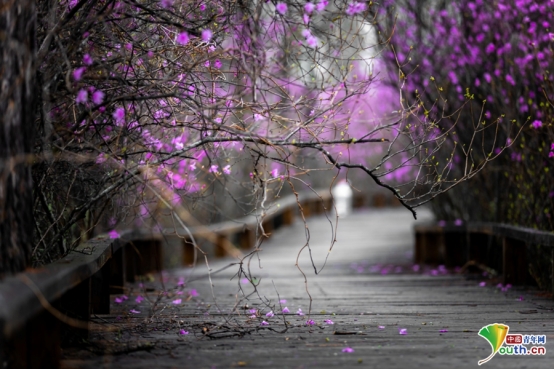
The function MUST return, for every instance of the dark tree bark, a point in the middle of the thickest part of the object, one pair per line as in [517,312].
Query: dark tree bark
[17,112]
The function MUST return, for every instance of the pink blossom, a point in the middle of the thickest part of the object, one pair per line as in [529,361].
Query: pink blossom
[355,8]
[264,323]
[87,59]
[381,327]
[166,3]
[182,38]
[206,35]
[176,302]
[258,117]
[202,7]
[281,8]
[309,8]
[551,154]
[213,169]
[98,97]
[275,173]
[119,115]
[207,63]
[537,124]
[482,284]
[402,331]
[113,234]
[310,322]
[217,63]
[348,349]
[321,5]
[78,73]
[328,321]
[299,312]
[139,299]
[286,310]
[193,293]
[306,18]
[312,42]
[283,301]
[270,314]
[82,97]
[183,332]
[118,300]
[133,311]
[101,158]
[227,169]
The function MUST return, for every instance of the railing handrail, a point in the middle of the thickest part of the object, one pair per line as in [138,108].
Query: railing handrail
[525,234]
[19,303]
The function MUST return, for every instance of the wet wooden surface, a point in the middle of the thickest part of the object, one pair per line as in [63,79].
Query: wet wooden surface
[369,288]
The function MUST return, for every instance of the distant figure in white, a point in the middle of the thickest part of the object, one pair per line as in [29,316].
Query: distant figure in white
[342,194]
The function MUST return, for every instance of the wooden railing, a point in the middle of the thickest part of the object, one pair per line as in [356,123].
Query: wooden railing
[501,247]
[40,307]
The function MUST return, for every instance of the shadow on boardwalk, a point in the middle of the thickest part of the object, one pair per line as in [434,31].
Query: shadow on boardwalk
[369,289]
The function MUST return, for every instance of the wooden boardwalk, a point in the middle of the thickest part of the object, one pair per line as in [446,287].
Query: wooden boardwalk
[369,289]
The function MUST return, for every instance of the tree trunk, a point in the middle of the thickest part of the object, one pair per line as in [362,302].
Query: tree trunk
[17,112]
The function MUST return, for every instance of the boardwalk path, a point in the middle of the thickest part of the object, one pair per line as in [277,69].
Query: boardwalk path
[368,282]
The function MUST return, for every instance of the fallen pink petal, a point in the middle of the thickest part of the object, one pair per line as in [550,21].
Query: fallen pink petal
[402,331]
[264,323]
[139,299]
[176,302]
[328,321]
[113,234]
[348,349]
[133,311]
[443,331]
[183,332]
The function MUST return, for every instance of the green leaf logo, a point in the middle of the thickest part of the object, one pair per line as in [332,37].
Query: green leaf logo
[495,334]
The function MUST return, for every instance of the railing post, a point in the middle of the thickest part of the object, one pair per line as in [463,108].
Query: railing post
[76,303]
[188,252]
[515,269]
[268,227]
[379,200]
[220,246]
[117,271]
[429,246]
[246,239]
[36,345]
[142,257]
[288,216]
[100,289]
